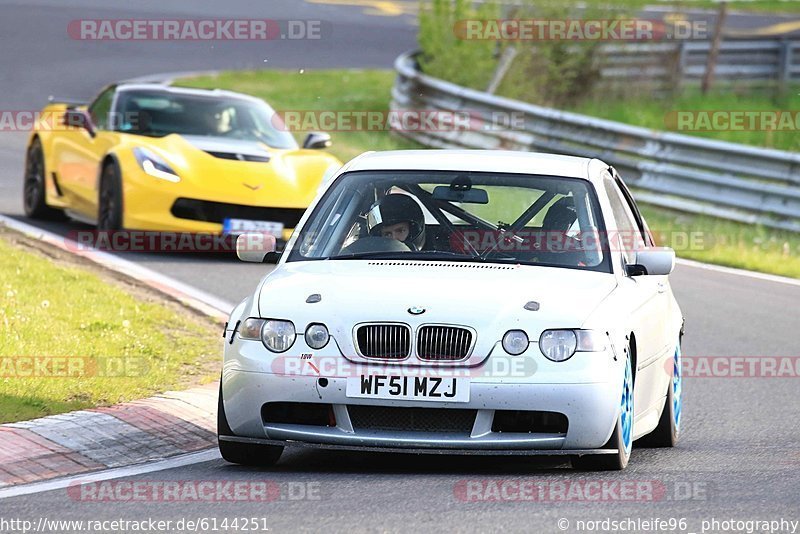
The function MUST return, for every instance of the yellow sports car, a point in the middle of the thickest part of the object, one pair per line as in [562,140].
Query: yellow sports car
[168,159]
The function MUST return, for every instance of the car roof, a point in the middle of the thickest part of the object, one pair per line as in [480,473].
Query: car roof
[171,89]
[478,161]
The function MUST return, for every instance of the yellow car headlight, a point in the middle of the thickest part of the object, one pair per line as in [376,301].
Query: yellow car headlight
[154,165]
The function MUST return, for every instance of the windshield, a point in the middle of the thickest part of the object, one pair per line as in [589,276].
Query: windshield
[456,216]
[160,113]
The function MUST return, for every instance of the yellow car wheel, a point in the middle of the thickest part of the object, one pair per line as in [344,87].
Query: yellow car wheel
[109,205]
[34,187]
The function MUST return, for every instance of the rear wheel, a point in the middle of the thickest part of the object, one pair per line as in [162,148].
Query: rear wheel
[621,439]
[668,430]
[253,454]
[109,204]
[33,193]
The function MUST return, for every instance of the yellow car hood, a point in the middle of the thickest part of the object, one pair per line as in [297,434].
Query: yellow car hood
[241,171]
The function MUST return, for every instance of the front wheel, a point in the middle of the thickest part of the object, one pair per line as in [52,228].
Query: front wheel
[33,196]
[109,204]
[252,454]
[255,455]
[621,439]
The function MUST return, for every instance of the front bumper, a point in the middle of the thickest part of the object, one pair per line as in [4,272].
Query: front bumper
[426,450]
[590,408]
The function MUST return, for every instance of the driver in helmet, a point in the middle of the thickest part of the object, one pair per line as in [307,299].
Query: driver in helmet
[398,216]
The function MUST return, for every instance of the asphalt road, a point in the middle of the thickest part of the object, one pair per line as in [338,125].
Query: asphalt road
[740,453]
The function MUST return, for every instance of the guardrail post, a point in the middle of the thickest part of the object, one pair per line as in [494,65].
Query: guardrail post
[679,67]
[711,64]
[784,65]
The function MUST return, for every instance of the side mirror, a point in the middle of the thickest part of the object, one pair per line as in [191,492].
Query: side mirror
[317,140]
[78,118]
[657,261]
[254,246]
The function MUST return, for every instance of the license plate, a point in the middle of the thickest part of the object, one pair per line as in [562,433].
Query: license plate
[240,226]
[428,388]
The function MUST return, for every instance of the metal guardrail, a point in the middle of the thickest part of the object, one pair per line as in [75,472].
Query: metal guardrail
[675,63]
[691,174]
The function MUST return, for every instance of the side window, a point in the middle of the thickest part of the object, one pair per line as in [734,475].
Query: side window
[637,215]
[630,235]
[101,108]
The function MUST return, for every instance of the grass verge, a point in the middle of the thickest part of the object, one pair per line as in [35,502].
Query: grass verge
[697,237]
[74,336]
[662,113]
[757,6]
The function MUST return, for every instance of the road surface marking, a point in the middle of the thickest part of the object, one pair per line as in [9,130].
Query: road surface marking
[780,28]
[740,272]
[110,474]
[381,8]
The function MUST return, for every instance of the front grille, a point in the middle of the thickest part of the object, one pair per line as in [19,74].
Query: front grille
[386,341]
[205,210]
[443,343]
[412,419]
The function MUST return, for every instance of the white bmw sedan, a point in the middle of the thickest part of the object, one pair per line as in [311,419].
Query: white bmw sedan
[438,301]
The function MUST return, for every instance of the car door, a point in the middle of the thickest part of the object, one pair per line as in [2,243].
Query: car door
[642,294]
[78,154]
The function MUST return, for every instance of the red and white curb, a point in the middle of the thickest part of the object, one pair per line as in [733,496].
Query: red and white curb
[126,434]
[140,432]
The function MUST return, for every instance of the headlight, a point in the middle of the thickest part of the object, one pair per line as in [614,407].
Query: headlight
[560,345]
[515,342]
[317,336]
[251,328]
[155,165]
[278,336]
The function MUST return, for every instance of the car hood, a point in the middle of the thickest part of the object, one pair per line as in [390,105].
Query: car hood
[487,297]
[226,148]
[242,172]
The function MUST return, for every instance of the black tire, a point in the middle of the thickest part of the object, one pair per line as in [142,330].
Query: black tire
[668,431]
[618,461]
[33,189]
[252,454]
[109,202]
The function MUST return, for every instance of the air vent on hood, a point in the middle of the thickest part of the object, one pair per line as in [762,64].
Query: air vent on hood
[239,157]
[454,265]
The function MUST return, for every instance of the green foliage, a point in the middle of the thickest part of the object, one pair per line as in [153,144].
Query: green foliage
[446,55]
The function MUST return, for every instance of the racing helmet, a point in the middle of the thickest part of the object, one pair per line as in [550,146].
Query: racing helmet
[561,215]
[398,208]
